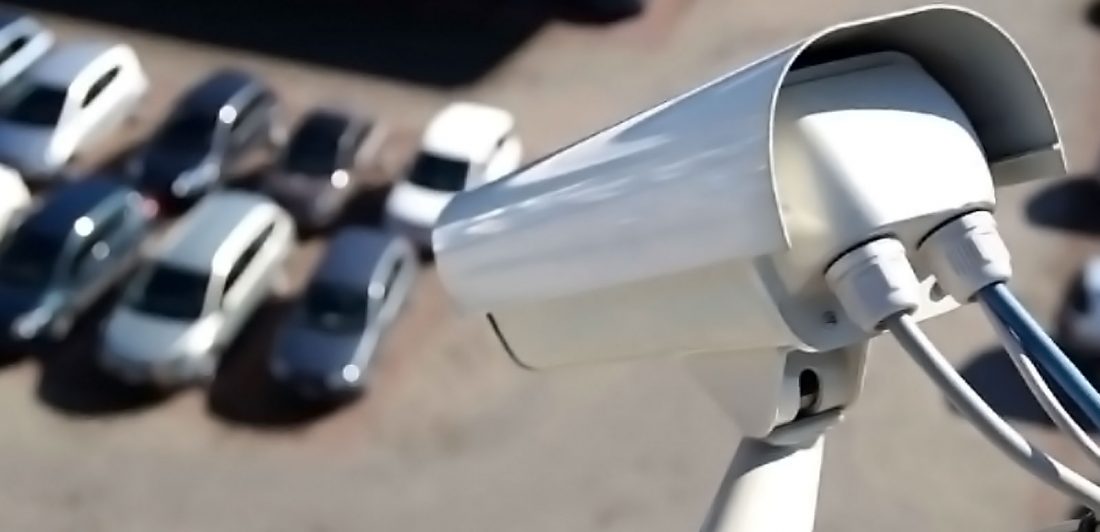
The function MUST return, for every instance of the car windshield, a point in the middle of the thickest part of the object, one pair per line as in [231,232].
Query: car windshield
[439,173]
[311,154]
[29,259]
[34,104]
[189,132]
[334,308]
[170,292]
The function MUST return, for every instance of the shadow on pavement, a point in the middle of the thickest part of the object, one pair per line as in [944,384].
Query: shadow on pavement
[71,381]
[1092,14]
[1067,204]
[434,42]
[242,393]
[367,207]
[992,374]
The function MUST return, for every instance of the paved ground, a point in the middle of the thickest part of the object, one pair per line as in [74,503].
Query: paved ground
[454,437]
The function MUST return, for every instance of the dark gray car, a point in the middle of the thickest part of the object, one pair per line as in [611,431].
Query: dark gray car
[325,348]
[316,176]
[225,127]
[74,247]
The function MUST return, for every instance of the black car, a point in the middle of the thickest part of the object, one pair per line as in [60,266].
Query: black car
[69,251]
[317,173]
[324,350]
[222,128]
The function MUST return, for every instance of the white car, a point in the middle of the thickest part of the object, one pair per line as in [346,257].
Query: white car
[465,146]
[23,40]
[15,199]
[76,95]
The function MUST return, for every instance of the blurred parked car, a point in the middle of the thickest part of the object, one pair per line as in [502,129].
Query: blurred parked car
[316,175]
[222,128]
[23,40]
[75,96]
[15,200]
[325,348]
[1079,319]
[189,301]
[69,251]
[465,146]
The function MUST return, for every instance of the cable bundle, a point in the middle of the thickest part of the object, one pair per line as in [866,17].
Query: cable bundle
[878,288]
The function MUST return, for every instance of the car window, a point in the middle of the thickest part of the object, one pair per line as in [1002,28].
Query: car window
[391,279]
[27,103]
[99,85]
[312,152]
[439,173]
[187,132]
[97,246]
[169,291]
[246,257]
[29,258]
[13,47]
[351,145]
[246,119]
[335,308]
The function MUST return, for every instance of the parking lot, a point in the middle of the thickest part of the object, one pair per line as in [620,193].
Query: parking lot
[452,436]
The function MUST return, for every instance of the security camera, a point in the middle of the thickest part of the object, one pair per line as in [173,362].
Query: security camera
[703,227]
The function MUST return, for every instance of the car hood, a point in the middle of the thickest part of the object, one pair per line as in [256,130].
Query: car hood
[16,301]
[140,337]
[26,147]
[415,204]
[160,168]
[312,353]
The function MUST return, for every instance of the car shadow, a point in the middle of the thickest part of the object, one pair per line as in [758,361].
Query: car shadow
[1092,14]
[72,383]
[992,374]
[244,394]
[368,206]
[1067,204]
[434,42]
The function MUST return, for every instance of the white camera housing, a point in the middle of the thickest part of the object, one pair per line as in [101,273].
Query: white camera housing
[703,226]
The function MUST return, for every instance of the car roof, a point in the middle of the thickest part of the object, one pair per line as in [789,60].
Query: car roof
[208,227]
[217,89]
[326,122]
[352,256]
[61,208]
[467,130]
[64,62]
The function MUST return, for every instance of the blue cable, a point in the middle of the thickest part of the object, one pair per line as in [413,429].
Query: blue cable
[1037,344]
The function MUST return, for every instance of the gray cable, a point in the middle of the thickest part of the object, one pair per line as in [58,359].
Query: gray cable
[1042,391]
[991,425]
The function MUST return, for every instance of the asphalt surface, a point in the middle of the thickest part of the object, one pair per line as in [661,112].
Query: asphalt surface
[452,436]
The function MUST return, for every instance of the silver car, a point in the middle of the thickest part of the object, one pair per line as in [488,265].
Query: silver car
[74,97]
[190,299]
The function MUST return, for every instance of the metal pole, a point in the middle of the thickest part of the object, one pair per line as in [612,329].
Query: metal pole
[769,488]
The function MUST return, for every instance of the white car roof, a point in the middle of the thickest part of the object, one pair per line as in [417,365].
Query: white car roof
[214,227]
[63,63]
[467,130]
